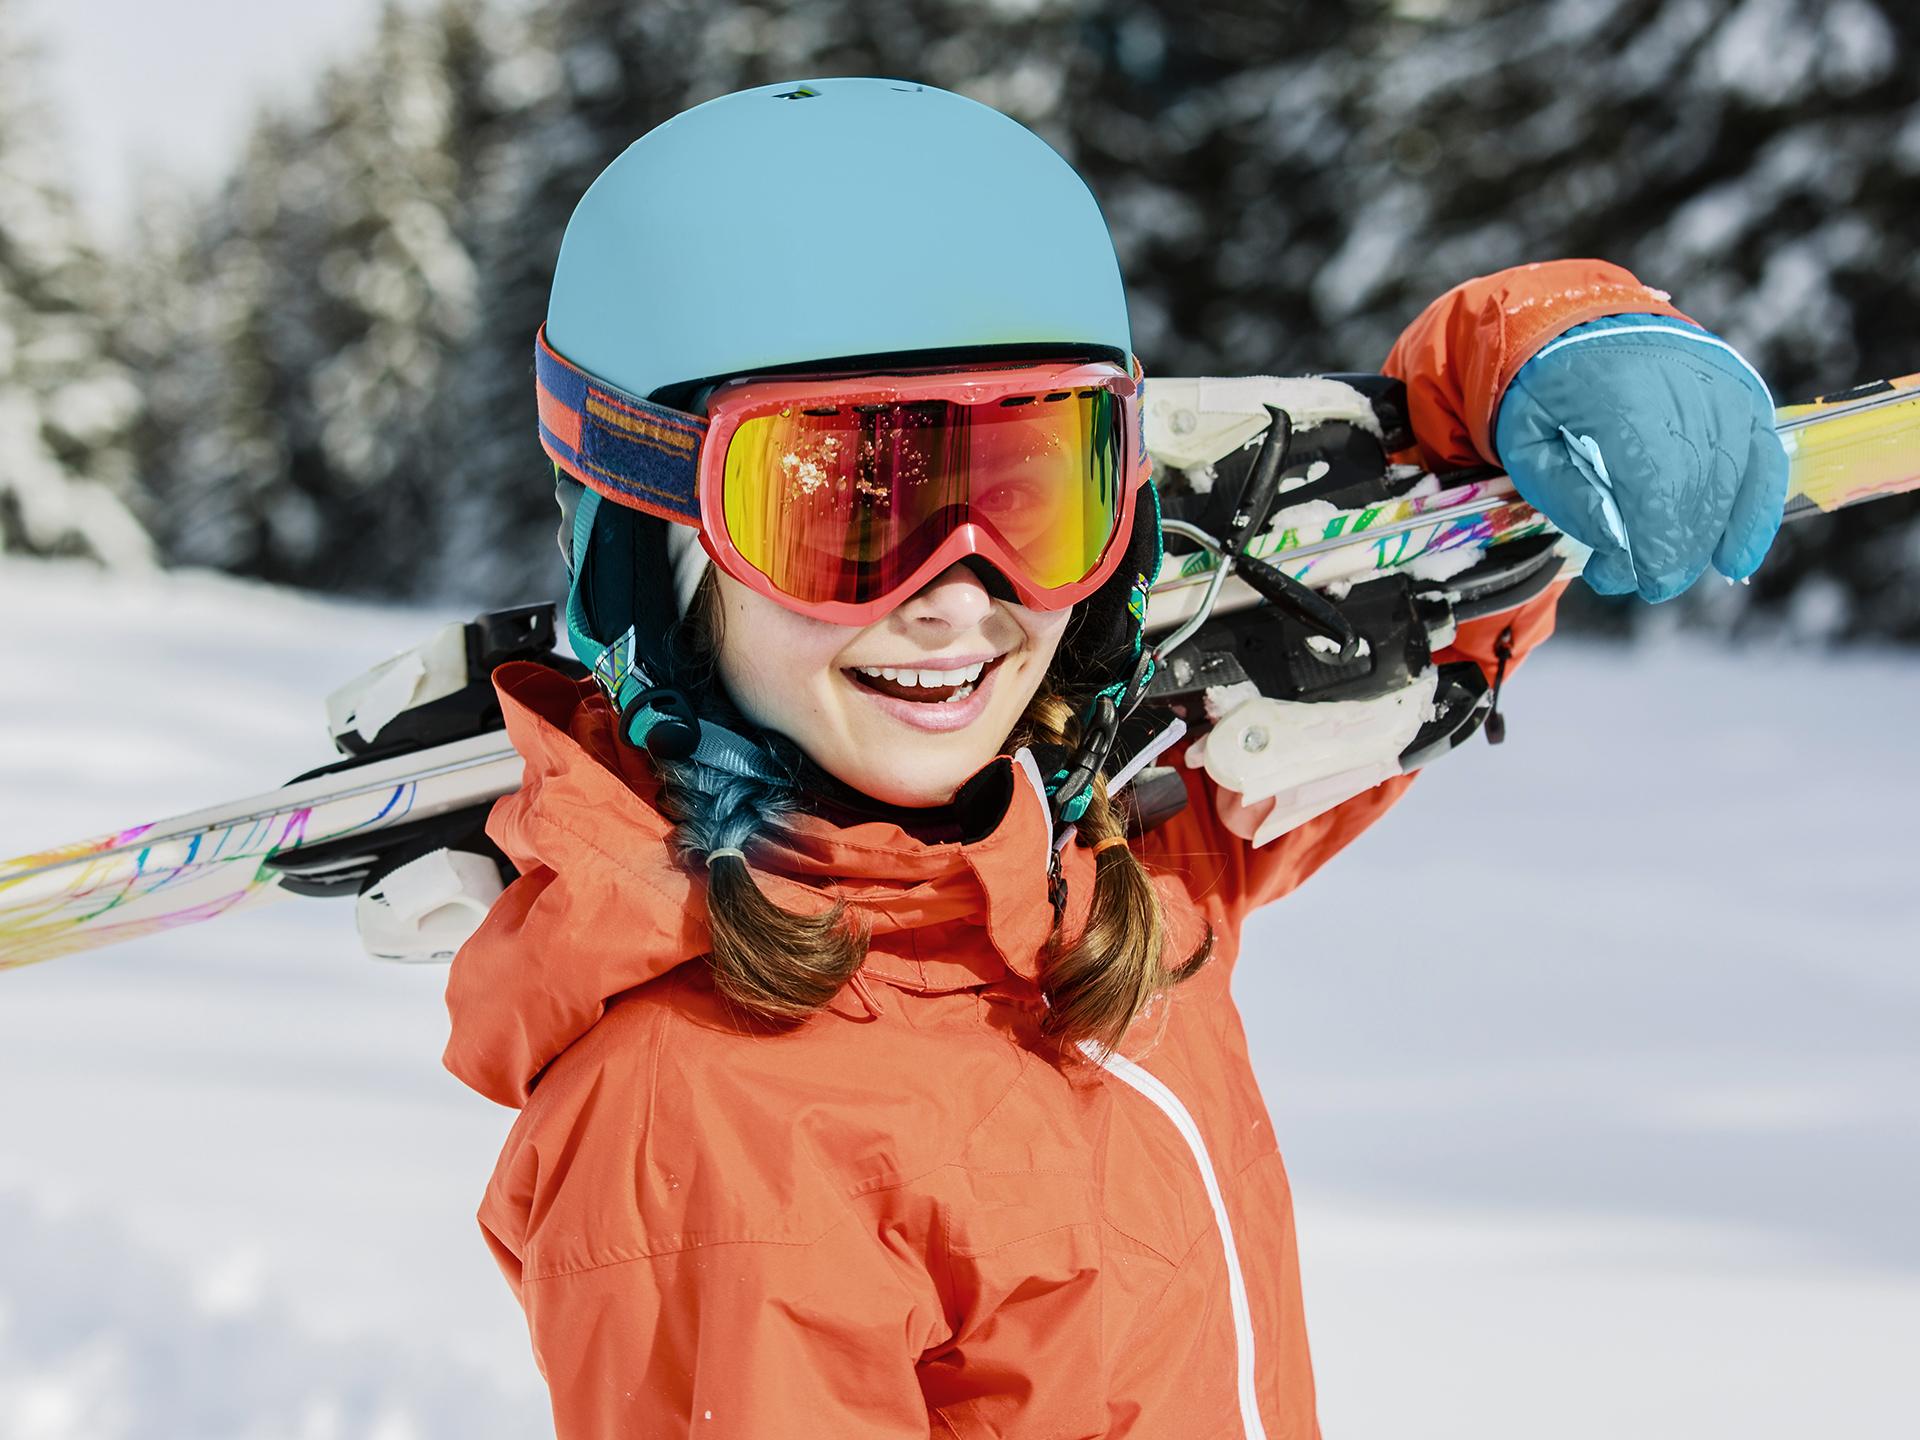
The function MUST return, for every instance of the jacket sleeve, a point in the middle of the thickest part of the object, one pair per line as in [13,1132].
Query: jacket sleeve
[1463,351]
[1457,359]
[729,1341]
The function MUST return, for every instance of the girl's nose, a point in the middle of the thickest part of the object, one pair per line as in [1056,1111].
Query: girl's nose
[956,599]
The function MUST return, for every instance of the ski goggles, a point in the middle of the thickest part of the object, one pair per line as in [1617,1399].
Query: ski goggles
[841,495]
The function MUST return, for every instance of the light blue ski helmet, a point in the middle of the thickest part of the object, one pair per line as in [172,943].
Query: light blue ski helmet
[831,219]
[810,222]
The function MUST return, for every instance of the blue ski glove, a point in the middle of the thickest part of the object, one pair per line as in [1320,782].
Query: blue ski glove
[1651,441]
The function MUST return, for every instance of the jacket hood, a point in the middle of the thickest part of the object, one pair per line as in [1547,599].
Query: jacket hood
[603,904]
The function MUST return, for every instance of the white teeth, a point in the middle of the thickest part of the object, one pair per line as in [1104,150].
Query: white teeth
[925,679]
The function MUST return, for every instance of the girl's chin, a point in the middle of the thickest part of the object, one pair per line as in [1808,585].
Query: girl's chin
[917,754]
[934,783]
[914,771]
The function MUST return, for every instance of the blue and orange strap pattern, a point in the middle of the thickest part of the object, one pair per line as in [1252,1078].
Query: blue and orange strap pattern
[630,450]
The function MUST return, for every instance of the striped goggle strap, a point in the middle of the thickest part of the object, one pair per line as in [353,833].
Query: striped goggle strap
[630,450]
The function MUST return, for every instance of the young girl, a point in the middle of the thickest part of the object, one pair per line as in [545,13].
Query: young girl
[850,1106]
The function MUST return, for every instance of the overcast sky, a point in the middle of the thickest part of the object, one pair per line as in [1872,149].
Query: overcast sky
[168,86]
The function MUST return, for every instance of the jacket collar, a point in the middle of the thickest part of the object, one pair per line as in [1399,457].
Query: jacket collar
[617,908]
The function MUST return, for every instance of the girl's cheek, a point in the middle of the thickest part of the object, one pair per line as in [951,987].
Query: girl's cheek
[774,663]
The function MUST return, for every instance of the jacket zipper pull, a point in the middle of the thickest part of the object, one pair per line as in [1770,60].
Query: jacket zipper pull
[1496,722]
[859,986]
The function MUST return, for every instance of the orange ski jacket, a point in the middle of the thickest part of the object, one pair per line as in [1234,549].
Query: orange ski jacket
[910,1215]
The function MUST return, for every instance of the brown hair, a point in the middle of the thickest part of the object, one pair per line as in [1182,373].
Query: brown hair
[781,966]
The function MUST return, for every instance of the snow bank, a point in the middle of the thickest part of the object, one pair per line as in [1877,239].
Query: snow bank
[1595,1067]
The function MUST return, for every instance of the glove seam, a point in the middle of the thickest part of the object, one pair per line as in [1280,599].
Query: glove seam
[1699,337]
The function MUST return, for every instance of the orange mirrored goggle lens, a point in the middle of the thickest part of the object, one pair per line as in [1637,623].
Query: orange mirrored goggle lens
[845,502]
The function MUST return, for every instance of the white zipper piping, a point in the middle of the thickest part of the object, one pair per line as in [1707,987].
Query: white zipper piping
[1684,334]
[1168,1103]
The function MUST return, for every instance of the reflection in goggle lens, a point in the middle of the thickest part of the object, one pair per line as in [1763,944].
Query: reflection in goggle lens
[844,503]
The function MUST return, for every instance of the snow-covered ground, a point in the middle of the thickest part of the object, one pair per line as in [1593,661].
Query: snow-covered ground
[1597,1067]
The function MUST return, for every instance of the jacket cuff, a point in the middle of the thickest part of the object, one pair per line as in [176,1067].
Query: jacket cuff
[1463,351]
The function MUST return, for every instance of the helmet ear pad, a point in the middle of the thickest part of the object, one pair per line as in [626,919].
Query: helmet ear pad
[623,579]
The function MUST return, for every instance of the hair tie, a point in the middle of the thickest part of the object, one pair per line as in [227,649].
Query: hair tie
[1107,844]
[738,854]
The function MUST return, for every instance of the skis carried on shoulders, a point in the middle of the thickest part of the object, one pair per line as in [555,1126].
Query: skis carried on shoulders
[1305,572]
[1310,583]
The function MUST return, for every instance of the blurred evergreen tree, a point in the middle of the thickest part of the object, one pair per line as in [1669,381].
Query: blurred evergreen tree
[350,402]
[66,406]
[317,304]
[1295,181]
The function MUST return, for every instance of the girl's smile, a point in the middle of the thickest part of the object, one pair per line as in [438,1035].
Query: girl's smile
[936,695]
[904,710]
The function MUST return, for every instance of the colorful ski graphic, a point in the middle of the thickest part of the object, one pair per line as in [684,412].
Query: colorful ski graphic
[177,872]
[1858,445]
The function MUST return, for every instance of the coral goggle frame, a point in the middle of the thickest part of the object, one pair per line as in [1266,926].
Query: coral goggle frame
[841,495]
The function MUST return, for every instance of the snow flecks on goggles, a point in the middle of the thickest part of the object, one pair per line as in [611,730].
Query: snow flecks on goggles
[841,495]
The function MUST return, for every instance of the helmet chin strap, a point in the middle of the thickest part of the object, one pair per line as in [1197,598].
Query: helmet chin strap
[1070,791]
[653,717]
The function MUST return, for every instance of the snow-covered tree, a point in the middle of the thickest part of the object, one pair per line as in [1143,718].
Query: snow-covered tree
[318,301]
[346,398]
[65,404]
[1292,182]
